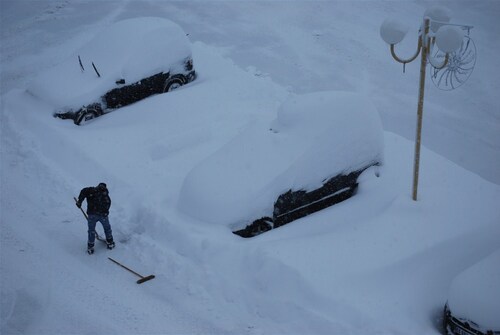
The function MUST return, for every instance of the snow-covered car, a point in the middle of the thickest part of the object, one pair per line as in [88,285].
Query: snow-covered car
[131,60]
[308,158]
[473,306]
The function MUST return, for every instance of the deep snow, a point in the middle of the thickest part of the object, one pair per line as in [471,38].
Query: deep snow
[478,286]
[118,53]
[313,138]
[378,263]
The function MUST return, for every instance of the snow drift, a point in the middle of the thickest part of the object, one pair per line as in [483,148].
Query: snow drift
[378,263]
[475,293]
[315,137]
[131,49]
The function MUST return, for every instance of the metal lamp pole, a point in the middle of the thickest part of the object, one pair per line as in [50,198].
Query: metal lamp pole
[425,42]
[459,60]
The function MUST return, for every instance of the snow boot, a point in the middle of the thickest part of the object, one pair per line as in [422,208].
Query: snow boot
[90,248]
[110,244]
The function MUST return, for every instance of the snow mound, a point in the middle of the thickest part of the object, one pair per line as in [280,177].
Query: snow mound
[131,49]
[314,137]
[438,15]
[475,293]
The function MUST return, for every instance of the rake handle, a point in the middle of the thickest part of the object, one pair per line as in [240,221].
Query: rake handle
[123,266]
[140,281]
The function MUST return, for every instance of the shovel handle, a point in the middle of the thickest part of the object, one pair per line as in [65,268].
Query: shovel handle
[86,217]
[84,214]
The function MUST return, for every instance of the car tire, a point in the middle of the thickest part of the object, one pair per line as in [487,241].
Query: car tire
[84,117]
[172,85]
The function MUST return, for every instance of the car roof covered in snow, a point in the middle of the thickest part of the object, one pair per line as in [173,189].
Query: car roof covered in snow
[131,49]
[475,293]
[315,137]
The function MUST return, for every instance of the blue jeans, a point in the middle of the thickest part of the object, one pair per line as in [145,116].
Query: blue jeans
[103,219]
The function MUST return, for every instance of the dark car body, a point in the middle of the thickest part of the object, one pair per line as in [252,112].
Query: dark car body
[127,62]
[454,325]
[293,205]
[124,94]
[274,172]
[473,306]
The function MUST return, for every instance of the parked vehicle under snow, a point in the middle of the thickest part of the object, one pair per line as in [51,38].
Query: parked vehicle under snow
[307,159]
[473,306]
[131,60]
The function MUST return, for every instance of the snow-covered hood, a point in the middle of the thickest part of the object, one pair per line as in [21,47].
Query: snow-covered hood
[131,49]
[314,137]
[475,293]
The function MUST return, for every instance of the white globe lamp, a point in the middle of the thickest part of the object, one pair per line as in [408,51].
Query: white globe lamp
[393,31]
[438,16]
[449,38]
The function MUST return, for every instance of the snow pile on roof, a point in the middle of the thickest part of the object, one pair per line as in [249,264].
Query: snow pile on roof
[315,137]
[438,15]
[475,295]
[131,49]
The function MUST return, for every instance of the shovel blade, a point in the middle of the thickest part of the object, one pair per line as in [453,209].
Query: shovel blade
[144,279]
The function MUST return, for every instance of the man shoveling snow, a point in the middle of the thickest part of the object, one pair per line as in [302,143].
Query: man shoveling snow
[98,204]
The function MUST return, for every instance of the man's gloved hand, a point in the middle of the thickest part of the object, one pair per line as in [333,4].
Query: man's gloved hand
[78,204]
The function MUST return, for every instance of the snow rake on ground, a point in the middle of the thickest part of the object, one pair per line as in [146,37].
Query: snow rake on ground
[140,281]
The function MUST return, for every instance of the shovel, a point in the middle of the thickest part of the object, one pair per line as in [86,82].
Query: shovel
[140,281]
[86,217]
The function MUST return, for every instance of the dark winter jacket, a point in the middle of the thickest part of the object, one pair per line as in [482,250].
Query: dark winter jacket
[98,200]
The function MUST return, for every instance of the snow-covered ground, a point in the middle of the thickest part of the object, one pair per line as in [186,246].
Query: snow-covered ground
[378,263]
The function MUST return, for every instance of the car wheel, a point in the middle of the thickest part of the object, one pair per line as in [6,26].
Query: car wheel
[172,85]
[85,117]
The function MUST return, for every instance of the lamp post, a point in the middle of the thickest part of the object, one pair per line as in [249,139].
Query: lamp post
[435,32]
